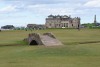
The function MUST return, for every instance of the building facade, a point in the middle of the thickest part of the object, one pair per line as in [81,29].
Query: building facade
[62,22]
[36,26]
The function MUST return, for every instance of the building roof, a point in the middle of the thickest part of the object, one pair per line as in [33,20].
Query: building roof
[50,15]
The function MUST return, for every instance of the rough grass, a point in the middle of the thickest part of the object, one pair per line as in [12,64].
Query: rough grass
[80,49]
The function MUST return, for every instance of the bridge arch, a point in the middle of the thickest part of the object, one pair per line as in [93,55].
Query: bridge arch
[33,42]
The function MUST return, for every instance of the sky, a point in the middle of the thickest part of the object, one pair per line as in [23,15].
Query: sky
[23,12]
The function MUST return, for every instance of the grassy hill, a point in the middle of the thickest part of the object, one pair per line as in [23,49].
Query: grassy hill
[81,49]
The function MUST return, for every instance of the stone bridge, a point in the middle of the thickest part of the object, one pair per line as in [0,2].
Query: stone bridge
[47,39]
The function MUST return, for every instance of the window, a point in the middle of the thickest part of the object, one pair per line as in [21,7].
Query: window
[50,24]
[65,24]
[72,25]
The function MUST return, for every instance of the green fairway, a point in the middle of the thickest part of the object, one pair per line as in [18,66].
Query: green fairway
[80,49]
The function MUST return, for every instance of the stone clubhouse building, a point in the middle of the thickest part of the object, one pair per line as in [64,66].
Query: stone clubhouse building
[62,21]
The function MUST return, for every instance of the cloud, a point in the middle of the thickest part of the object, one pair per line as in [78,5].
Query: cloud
[43,7]
[35,1]
[44,1]
[92,3]
[9,8]
[54,8]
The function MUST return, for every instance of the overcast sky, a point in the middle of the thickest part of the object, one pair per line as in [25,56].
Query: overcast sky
[23,12]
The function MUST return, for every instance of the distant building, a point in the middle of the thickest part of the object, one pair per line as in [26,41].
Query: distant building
[95,21]
[62,22]
[36,26]
[8,27]
[31,25]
